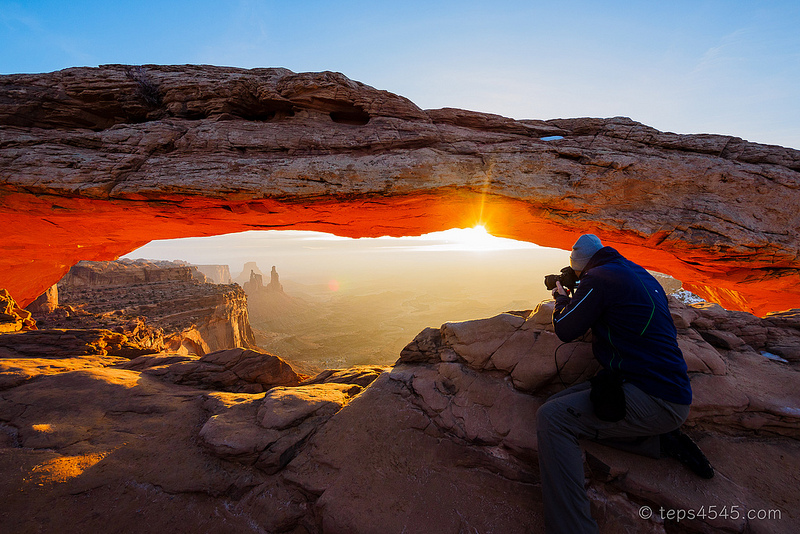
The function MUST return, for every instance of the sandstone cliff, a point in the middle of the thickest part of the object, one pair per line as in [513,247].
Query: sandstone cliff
[162,307]
[125,273]
[442,442]
[12,317]
[170,151]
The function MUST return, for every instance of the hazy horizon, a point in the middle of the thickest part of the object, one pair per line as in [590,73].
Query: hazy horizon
[360,301]
[457,258]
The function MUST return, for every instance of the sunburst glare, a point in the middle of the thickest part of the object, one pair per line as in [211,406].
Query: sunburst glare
[474,239]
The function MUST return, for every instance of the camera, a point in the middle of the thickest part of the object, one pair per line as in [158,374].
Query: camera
[568,279]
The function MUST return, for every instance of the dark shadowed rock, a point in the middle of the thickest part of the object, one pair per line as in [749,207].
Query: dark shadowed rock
[91,448]
[59,343]
[361,375]
[236,370]
[46,302]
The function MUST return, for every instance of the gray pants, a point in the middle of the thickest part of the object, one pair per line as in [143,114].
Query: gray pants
[567,417]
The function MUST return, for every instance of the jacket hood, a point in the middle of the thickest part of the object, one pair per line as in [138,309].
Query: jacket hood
[601,257]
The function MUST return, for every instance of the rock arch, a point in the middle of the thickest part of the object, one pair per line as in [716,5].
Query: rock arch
[97,162]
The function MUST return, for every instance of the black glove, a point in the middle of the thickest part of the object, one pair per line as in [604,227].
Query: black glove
[556,294]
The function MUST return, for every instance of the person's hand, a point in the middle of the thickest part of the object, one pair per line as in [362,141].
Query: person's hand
[559,290]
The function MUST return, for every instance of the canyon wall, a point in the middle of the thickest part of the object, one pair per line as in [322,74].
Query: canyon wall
[161,306]
[125,273]
[97,162]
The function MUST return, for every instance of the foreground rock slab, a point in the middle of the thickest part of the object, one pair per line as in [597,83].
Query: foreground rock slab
[443,441]
[381,465]
[111,450]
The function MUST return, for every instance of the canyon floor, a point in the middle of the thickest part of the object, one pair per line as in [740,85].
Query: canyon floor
[371,321]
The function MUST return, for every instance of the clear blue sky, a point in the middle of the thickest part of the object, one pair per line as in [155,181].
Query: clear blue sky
[723,66]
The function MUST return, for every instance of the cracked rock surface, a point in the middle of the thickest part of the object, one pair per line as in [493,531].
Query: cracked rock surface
[237,370]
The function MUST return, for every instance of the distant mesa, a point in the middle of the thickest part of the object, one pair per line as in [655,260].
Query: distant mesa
[274,282]
[218,274]
[256,283]
[244,276]
[269,307]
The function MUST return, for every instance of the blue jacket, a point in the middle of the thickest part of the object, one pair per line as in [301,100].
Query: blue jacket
[632,330]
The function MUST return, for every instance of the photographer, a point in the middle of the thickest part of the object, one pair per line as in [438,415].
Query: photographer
[638,399]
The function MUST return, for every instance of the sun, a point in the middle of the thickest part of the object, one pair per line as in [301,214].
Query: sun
[476,239]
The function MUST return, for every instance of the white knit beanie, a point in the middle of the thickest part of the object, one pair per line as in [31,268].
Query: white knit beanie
[583,250]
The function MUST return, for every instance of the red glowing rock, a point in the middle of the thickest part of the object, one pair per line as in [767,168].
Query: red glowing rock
[97,162]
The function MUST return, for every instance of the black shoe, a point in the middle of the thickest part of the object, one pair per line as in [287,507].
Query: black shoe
[678,445]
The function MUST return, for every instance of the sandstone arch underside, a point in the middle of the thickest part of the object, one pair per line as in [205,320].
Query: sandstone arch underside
[97,162]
